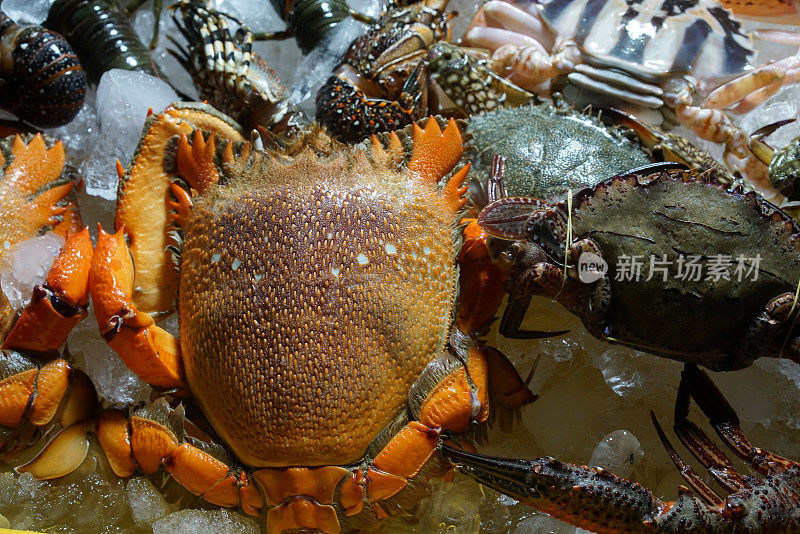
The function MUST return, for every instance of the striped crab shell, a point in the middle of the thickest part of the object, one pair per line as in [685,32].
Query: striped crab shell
[631,49]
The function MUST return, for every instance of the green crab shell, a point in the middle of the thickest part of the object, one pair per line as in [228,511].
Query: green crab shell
[784,170]
[550,149]
[670,215]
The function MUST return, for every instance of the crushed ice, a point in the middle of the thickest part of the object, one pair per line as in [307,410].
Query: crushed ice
[26,266]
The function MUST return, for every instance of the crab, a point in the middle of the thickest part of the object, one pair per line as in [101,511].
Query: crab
[637,66]
[594,499]
[538,164]
[37,386]
[462,84]
[315,297]
[381,85]
[701,300]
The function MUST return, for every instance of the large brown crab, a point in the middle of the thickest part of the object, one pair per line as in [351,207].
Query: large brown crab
[315,297]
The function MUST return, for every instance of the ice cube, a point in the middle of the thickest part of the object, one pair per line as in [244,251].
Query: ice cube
[630,373]
[317,67]
[27,11]
[123,100]
[258,15]
[619,452]
[206,521]
[146,502]
[80,134]
[114,381]
[27,265]
[784,105]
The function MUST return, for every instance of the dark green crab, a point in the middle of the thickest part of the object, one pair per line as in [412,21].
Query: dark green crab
[661,259]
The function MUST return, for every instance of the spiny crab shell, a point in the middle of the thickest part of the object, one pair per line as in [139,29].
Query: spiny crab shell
[312,295]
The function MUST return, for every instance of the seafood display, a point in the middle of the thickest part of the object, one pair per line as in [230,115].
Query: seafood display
[440,296]
[629,57]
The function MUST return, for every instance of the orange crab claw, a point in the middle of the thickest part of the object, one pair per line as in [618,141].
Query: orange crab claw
[62,455]
[57,306]
[143,203]
[149,351]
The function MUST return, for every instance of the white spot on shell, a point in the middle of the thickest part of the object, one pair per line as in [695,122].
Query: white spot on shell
[362,259]
[335,271]
[426,250]
[236,263]
[391,249]
[215,258]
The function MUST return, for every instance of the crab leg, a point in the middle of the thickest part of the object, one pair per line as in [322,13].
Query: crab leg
[689,475]
[579,495]
[342,103]
[751,89]
[594,499]
[58,304]
[702,448]
[149,351]
[723,418]
[153,437]
[481,281]
[498,23]
[38,395]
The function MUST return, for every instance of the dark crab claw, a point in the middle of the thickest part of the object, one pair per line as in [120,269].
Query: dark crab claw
[759,147]
[588,497]
[652,168]
[507,218]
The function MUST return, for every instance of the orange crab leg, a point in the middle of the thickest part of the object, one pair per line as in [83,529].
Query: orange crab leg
[142,443]
[59,304]
[149,351]
[36,394]
[458,399]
